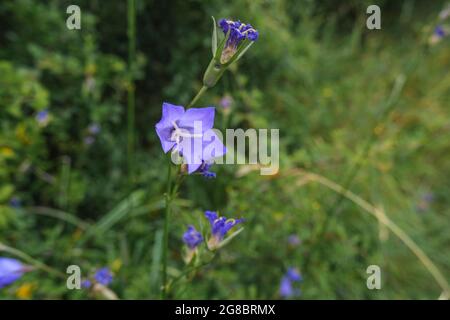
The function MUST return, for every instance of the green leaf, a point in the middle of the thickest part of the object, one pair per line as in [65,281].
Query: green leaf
[240,52]
[244,50]
[227,240]
[214,37]
[6,192]
[221,45]
[156,260]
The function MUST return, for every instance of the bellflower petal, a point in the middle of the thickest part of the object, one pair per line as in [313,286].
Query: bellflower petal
[219,227]
[192,238]
[103,276]
[205,117]
[170,115]
[212,146]
[192,151]
[10,271]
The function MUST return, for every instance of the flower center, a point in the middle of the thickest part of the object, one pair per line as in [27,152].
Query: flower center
[179,133]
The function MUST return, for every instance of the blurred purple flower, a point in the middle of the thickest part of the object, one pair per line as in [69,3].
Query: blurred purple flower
[294,240]
[425,201]
[10,271]
[103,276]
[89,140]
[293,274]
[15,202]
[219,227]
[42,117]
[287,289]
[192,238]
[189,133]
[94,129]
[226,101]
[86,284]
[439,32]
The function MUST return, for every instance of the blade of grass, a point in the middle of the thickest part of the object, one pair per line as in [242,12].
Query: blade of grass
[383,219]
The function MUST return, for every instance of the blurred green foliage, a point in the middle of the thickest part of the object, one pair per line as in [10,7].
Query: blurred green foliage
[316,73]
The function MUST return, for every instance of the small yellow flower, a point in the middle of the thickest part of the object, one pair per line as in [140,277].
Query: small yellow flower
[25,291]
[116,265]
[327,92]
[7,152]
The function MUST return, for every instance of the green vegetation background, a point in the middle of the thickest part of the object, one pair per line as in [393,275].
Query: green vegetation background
[316,73]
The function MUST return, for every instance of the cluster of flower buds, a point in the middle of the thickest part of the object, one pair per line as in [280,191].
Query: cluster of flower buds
[219,229]
[238,39]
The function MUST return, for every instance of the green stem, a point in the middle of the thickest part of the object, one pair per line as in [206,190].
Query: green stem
[131,89]
[191,269]
[168,198]
[198,96]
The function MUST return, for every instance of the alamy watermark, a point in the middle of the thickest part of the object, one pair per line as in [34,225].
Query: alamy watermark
[374,20]
[196,145]
[73,22]
[374,280]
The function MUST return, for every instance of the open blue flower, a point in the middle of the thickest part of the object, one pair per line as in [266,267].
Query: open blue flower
[10,271]
[219,227]
[103,276]
[189,133]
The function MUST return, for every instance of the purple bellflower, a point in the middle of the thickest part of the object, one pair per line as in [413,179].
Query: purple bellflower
[103,276]
[226,101]
[238,39]
[219,228]
[192,238]
[94,128]
[287,289]
[204,170]
[10,271]
[15,202]
[43,117]
[439,32]
[86,284]
[238,32]
[294,240]
[189,132]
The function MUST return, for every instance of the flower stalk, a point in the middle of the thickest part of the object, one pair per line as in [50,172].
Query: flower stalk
[168,199]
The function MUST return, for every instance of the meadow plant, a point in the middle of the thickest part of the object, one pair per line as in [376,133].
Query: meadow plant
[188,134]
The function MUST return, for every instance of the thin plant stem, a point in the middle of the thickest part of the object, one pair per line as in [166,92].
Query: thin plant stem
[131,87]
[170,194]
[198,96]
[168,199]
[191,269]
